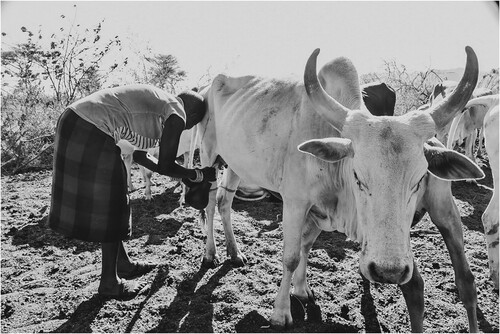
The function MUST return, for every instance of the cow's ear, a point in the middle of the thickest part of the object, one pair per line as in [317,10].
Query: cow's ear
[328,149]
[450,165]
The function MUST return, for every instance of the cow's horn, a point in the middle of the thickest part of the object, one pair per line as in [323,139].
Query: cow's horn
[444,112]
[326,106]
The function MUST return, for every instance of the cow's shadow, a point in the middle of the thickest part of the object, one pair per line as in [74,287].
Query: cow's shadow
[478,196]
[81,319]
[265,209]
[335,244]
[192,309]
[253,322]
[38,235]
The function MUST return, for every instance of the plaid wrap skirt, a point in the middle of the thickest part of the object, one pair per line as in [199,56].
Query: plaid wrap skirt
[89,183]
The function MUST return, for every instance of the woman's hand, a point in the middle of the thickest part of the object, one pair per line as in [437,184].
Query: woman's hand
[209,174]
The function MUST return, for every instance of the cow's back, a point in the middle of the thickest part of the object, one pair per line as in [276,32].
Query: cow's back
[259,123]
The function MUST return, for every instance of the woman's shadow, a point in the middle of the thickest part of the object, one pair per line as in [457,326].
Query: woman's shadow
[82,318]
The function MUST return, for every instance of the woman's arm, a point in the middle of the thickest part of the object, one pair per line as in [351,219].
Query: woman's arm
[169,143]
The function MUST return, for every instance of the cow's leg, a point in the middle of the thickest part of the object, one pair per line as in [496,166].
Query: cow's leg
[490,224]
[127,160]
[210,258]
[127,150]
[146,176]
[445,215]
[187,164]
[300,288]
[208,157]
[480,149]
[294,216]
[225,196]
[490,216]
[470,141]
[413,291]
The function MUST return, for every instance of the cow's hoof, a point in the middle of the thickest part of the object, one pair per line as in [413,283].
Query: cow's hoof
[214,263]
[280,323]
[239,261]
[300,306]
[297,308]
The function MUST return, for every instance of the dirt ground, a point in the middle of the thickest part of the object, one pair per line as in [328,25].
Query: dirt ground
[49,283]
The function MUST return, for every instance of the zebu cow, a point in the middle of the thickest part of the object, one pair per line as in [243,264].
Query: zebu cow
[471,120]
[379,98]
[490,215]
[466,124]
[365,177]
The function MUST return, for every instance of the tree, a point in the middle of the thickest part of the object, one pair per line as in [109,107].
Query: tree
[73,62]
[43,75]
[164,72]
[490,80]
[70,63]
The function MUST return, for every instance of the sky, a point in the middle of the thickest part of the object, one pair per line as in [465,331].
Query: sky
[275,39]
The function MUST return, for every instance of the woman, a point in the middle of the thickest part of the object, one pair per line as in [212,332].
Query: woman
[89,187]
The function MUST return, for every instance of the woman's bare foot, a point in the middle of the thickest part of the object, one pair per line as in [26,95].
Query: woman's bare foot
[123,289]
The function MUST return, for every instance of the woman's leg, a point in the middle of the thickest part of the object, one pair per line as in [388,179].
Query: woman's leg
[110,283]
[126,268]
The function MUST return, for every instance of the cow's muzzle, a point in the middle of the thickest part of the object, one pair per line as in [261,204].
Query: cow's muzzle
[393,274]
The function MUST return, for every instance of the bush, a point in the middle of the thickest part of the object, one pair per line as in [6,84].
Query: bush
[27,134]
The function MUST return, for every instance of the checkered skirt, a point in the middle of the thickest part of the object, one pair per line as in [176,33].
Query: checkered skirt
[89,183]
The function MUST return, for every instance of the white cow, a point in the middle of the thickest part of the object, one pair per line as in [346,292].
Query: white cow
[490,216]
[365,176]
[465,125]
[187,145]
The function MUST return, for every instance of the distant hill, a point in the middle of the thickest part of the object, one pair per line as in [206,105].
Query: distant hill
[451,74]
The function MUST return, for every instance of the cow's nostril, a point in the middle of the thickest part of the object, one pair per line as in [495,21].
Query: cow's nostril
[405,272]
[404,275]
[372,269]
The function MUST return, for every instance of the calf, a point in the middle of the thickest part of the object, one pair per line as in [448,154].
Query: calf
[466,125]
